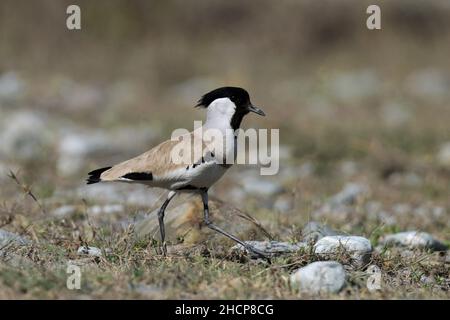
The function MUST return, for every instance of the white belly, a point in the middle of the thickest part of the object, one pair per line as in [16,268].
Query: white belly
[205,176]
[202,176]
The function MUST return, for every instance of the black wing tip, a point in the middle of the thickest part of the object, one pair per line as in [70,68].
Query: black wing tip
[139,176]
[94,176]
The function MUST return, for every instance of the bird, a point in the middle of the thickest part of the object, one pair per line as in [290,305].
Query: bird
[225,110]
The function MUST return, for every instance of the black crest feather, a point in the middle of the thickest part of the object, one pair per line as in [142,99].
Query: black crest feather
[239,96]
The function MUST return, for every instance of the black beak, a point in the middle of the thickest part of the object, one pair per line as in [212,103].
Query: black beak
[256,110]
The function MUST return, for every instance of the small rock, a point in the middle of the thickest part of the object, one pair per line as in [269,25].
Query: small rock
[90,251]
[407,254]
[443,155]
[349,195]
[283,203]
[285,153]
[414,240]
[149,291]
[11,86]
[319,277]
[375,278]
[314,231]
[78,96]
[428,83]
[306,170]
[273,247]
[348,168]
[427,280]
[395,114]
[262,187]
[410,179]
[25,136]
[387,218]
[7,238]
[116,193]
[375,211]
[401,209]
[64,211]
[106,209]
[355,84]
[359,248]
[77,145]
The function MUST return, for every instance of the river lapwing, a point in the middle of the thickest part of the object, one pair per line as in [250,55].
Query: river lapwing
[226,107]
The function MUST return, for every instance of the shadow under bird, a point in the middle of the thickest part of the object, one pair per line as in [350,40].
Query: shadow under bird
[226,107]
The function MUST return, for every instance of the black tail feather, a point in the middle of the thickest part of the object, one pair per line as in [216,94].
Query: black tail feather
[94,176]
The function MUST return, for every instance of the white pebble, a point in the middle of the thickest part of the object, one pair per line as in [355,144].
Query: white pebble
[90,251]
[319,277]
[359,248]
[413,240]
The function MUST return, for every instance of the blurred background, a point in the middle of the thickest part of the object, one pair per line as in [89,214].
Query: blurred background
[369,108]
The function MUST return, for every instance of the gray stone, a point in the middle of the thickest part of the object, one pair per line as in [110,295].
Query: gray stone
[11,86]
[273,247]
[355,85]
[443,156]
[414,240]
[319,277]
[284,203]
[428,83]
[77,145]
[374,280]
[402,209]
[64,211]
[117,193]
[331,247]
[90,251]
[25,136]
[105,209]
[349,195]
[285,153]
[8,238]
[395,114]
[409,179]
[306,170]
[375,211]
[149,291]
[76,96]
[314,231]
[262,187]
[348,168]
[427,280]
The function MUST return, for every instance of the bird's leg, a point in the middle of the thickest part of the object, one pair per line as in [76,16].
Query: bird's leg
[161,220]
[204,194]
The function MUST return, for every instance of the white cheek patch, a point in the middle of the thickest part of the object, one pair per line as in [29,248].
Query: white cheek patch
[223,106]
[219,114]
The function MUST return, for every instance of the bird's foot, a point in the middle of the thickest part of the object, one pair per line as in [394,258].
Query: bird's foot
[164,249]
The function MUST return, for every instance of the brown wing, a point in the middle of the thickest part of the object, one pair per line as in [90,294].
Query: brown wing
[155,162]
